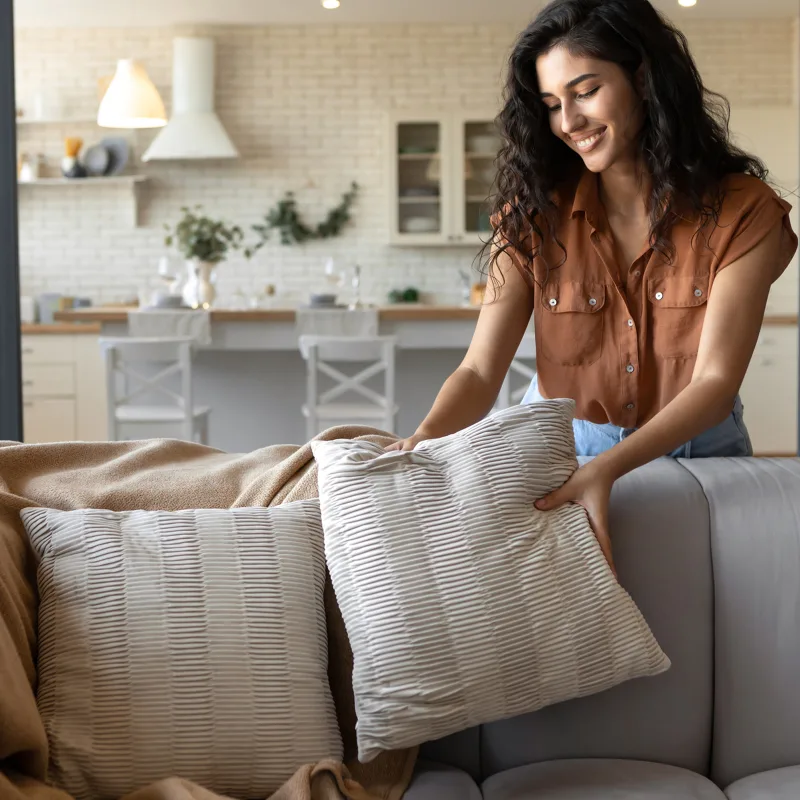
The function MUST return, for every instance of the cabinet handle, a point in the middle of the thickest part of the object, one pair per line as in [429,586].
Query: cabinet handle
[27,351]
[766,362]
[28,404]
[27,383]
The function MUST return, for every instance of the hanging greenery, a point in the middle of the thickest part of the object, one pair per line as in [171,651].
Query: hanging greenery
[285,219]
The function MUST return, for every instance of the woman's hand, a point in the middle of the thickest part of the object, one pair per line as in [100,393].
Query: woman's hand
[408,444]
[590,487]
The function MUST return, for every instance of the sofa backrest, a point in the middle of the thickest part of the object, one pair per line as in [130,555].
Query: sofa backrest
[755,537]
[660,533]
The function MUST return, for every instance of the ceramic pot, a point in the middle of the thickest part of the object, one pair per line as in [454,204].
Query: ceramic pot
[199,290]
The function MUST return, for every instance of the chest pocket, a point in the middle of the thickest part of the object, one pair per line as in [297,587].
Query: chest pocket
[571,328]
[677,310]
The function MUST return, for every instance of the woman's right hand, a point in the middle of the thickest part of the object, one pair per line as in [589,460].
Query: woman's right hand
[410,443]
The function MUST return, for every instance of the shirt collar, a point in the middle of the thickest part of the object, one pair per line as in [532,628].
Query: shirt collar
[587,198]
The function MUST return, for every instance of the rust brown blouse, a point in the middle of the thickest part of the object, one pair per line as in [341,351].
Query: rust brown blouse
[622,340]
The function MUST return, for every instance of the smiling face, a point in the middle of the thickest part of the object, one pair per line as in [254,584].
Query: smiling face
[592,105]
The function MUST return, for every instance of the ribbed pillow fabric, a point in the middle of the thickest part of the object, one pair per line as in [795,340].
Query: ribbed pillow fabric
[462,602]
[187,643]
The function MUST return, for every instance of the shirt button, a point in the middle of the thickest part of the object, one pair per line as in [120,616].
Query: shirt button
[630,323]
[553,301]
[698,293]
[637,273]
[630,406]
[659,295]
[629,368]
[592,302]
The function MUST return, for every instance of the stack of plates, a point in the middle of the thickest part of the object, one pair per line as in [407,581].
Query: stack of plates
[108,157]
[323,301]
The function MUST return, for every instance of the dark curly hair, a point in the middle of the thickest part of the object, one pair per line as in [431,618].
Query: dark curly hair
[684,144]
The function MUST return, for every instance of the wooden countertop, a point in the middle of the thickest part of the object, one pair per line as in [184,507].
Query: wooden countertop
[396,313]
[28,328]
[389,313]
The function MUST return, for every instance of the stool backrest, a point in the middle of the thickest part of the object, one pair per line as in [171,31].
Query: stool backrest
[320,352]
[126,359]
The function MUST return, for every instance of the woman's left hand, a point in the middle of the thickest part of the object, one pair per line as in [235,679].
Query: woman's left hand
[590,487]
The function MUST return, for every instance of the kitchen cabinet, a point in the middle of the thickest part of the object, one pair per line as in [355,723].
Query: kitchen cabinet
[771,133]
[442,168]
[63,388]
[769,392]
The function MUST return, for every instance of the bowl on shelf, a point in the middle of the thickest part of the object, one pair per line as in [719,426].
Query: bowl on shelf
[485,144]
[420,225]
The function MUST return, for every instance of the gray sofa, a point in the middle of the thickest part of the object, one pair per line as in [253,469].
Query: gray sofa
[710,551]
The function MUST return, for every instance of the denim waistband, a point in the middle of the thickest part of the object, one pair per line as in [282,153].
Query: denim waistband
[729,438]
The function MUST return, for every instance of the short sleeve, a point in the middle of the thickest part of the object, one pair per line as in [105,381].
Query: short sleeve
[498,237]
[751,210]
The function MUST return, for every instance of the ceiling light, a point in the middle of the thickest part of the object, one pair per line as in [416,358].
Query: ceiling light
[687,3]
[330,3]
[131,100]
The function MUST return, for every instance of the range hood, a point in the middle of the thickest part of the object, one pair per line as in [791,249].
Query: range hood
[194,130]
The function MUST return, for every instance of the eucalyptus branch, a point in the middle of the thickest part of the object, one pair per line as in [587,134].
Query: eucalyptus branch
[285,219]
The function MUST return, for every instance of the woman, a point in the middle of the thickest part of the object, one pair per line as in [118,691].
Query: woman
[642,242]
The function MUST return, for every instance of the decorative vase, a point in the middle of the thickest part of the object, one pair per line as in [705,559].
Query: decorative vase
[199,290]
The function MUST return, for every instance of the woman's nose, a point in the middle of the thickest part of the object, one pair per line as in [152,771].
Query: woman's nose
[571,119]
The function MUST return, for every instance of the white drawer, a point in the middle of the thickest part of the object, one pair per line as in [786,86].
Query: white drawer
[49,419]
[47,349]
[48,380]
[769,392]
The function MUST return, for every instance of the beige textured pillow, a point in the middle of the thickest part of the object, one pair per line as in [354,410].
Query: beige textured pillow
[462,602]
[187,643]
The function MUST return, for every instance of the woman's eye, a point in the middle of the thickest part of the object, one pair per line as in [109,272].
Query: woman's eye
[551,109]
[589,93]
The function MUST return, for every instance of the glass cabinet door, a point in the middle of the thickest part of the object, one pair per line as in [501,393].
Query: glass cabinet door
[479,143]
[420,212]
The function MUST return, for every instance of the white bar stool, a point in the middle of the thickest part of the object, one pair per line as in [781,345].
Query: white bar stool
[526,352]
[125,359]
[321,409]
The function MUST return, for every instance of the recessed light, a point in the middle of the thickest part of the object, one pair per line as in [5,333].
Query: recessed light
[330,3]
[687,3]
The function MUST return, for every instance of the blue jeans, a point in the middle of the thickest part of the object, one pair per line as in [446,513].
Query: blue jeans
[730,438]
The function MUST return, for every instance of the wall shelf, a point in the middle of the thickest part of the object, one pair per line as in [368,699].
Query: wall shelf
[129,181]
[57,121]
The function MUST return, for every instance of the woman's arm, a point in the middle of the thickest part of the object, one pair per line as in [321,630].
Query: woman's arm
[469,393]
[732,323]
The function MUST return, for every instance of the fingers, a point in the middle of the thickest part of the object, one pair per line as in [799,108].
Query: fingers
[403,444]
[551,501]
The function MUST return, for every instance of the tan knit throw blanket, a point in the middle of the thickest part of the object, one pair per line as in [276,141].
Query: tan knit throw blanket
[159,474]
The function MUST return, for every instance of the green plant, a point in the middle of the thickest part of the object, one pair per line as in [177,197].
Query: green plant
[285,219]
[201,237]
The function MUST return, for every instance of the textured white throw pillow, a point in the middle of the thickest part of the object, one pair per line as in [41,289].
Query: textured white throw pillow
[187,643]
[462,602]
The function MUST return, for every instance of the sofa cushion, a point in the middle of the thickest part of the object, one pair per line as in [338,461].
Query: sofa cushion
[434,781]
[755,539]
[462,602]
[599,779]
[660,533]
[776,784]
[188,643]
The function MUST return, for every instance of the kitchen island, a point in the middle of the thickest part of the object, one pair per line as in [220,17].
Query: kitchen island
[253,377]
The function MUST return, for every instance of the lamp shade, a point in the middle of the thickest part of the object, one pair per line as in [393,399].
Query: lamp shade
[131,100]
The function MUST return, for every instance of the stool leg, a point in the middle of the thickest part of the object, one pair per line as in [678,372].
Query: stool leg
[202,429]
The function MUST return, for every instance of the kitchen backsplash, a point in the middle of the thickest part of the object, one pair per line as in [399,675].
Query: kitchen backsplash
[306,106]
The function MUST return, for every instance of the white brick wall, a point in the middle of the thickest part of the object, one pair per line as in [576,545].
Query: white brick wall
[305,105]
